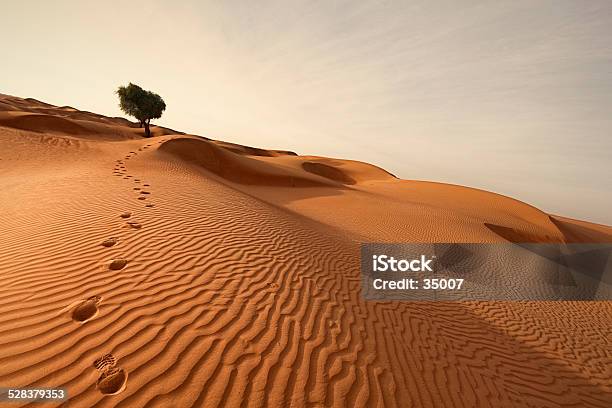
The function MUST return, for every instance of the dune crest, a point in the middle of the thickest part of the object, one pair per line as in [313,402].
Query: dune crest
[35,116]
[261,167]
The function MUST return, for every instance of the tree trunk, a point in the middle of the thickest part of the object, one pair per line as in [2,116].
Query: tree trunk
[147,130]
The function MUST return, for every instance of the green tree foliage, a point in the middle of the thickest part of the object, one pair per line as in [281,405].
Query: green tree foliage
[141,104]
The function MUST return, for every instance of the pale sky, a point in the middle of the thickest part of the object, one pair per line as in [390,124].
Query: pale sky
[509,96]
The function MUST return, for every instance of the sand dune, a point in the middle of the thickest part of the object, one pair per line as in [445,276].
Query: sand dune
[269,168]
[179,271]
[36,116]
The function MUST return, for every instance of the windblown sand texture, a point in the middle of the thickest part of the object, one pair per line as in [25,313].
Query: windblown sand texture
[178,271]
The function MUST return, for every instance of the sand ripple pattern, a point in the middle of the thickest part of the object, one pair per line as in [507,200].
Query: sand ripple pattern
[229,301]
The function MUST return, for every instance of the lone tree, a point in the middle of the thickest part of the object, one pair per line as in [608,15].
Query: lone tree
[141,104]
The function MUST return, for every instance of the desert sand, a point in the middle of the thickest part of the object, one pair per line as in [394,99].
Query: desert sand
[179,271]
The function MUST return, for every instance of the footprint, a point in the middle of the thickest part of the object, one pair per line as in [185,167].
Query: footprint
[109,242]
[146,185]
[150,205]
[86,310]
[112,379]
[333,325]
[142,198]
[145,192]
[117,264]
[134,225]
[136,188]
[126,215]
[105,362]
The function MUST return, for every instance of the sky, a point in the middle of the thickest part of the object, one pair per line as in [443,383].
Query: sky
[513,97]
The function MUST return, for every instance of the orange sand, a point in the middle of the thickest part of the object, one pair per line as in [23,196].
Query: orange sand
[179,271]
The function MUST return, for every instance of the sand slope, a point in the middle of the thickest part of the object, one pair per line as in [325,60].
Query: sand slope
[177,271]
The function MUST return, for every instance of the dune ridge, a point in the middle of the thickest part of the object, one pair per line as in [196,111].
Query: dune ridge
[242,284]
